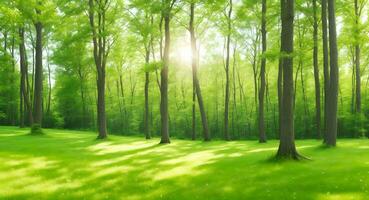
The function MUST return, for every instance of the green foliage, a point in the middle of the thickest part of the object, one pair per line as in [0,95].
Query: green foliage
[135,28]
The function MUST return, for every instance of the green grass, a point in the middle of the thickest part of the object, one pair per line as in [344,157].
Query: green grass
[73,165]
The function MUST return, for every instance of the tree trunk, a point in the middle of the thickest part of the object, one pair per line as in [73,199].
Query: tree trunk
[164,82]
[99,51]
[287,148]
[226,102]
[38,76]
[325,64]
[333,83]
[196,82]
[24,74]
[357,61]
[49,84]
[81,79]
[23,77]
[316,73]
[147,82]
[262,135]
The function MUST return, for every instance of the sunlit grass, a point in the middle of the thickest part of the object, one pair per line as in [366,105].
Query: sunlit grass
[73,165]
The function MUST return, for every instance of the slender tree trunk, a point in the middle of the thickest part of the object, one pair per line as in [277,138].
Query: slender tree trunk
[357,61]
[226,103]
[49,84]
[280,92]
[164,81]
[24,75]
[81,79]
[13,105]
[147,84]
[196,82]
[316,73]
[194,63]
[287,148]
[38,75]
[325,64]
[123,97]
[262,135]
[333,83]
[234,109]
[99,51]
[353,82]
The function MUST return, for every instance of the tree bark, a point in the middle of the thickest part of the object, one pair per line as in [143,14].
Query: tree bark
[164,77]
[287,148]
[226,102]
[99,51]
[196,82]
[49,89]
[262,135]
[333,83]
[147,82]
[325,64]
[316,73]
[357,61]
[37,106]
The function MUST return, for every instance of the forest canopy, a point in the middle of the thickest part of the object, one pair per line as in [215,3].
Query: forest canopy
[194,69]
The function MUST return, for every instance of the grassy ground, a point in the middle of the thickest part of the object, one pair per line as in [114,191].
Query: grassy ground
[73,165]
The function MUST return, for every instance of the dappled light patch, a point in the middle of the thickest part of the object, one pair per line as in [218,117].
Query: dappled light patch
[109,147]
[186,165]
[262,150]
[342,196]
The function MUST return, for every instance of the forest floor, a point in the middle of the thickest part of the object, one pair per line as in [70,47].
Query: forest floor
[73,165]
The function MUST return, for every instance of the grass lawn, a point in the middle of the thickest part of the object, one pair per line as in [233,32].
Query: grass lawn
[73,165]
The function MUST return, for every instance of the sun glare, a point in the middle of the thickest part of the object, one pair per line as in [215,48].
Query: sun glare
[182,53]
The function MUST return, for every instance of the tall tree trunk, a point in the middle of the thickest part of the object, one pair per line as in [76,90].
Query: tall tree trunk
[13,105]
[164,78]
[325,64]
[38,75]
[287,148]
[196,82]
[333,83]
[280,94]
[353,82]
[49,84]
[234,108]
[147,82]
[226,102]
[99,51]
[262,135]
[357,60]
[316,73]
[194,63]
[24,74]
[81,79]
[22,78]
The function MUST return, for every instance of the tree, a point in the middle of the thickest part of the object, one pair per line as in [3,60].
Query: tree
[287,148]
[166,15]
[316,71]
[226,102]
[262,135]
[332,97]
[24,94]
[196,83]
[37,104]
[325,64]
[100,51]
